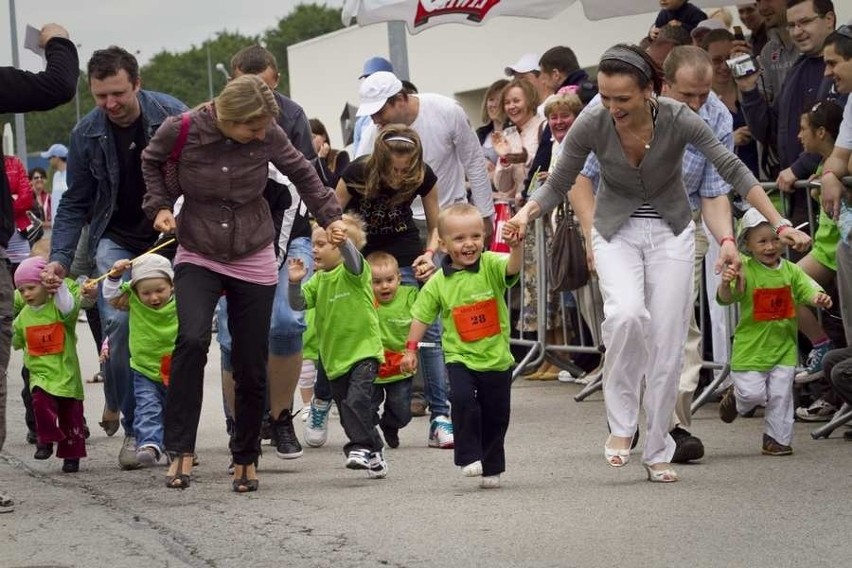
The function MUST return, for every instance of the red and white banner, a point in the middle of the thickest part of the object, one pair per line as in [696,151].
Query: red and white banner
[419,15]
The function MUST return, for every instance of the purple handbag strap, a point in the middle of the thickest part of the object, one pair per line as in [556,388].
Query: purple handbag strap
[181,139]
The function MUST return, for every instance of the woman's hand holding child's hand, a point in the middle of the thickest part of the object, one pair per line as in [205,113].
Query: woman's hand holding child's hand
[336,232]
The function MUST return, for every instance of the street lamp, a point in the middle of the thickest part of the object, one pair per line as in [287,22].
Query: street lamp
[20,125]
[221,68]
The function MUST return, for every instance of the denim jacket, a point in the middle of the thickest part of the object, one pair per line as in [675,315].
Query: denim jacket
[93,175]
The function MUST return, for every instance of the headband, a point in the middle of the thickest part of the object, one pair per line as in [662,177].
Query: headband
[629,57]
[400,139]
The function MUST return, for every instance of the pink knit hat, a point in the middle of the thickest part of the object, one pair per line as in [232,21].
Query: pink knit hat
[29,271]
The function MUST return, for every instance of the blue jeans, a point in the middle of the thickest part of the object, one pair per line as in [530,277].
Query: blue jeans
[150,402]
[118,388]
[288,325]
[433,369]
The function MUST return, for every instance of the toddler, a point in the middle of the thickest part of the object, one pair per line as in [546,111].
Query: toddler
[468,293]
[393,386]
[153,330]
[768,289]
[45,328]
[350,345]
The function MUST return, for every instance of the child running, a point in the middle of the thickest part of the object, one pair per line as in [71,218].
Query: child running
[350,345]
[468,293]
[768,289]
[45,329]
[153,330]
[393,304]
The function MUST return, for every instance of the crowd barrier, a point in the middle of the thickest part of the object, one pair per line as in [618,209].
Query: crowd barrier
[589,297]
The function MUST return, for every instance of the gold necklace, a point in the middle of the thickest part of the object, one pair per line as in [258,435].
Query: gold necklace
[646,143]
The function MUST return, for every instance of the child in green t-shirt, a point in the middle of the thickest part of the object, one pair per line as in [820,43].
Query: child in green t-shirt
[393,304]
[45,329]
[468,292]
[153,330]
[350,345]
[768,288]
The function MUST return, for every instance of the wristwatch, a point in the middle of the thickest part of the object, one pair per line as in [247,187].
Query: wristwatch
[782,223]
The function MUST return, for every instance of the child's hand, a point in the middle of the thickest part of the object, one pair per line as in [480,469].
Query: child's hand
[336,232]
[119,267]
[822,300]
[731,274]
[654,33]
[89,292]
[409,362]
[104,354]
[511,238]
[296,270]
[121,303]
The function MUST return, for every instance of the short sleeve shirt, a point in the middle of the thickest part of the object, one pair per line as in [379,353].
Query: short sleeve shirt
[844,138]
[472,307]
[395,323]
[390,226]
[152,336]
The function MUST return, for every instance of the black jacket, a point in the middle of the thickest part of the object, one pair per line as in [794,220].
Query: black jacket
[23,91]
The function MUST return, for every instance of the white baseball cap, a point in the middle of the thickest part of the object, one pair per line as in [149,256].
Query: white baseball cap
[527,63]
[375,91]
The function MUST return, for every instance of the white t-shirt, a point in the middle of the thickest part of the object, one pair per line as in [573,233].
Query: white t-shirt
[844,137]
[451,149]
[58,188]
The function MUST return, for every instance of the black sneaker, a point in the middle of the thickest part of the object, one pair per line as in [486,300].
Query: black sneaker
[391,436]
[70,465]
[43,451]
[31,437]
[287,446]
[267,430]
[688,448]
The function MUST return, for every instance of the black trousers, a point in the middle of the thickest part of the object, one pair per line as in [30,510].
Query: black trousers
[353,394]
[838,369]
[197,290]
[480,407]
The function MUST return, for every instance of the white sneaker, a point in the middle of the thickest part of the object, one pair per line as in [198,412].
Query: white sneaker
[378,467]
[316,427]
[490,482]
[441,433]
[472,469]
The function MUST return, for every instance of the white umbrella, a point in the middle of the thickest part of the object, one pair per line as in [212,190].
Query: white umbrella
[419,15]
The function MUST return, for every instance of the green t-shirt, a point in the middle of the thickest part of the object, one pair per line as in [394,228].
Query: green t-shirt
[346,322]
[310,345]
[395,323]
[473,311]
[49,342]
[152,336]
[766,333]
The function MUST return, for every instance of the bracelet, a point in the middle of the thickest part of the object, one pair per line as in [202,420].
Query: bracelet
[728,238]
[781,228]
[411,346]
[429,251]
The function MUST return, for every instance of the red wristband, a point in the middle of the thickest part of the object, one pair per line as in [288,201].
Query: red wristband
[781,229]
[504,161]
[429,251]
[728,238]
[411,346]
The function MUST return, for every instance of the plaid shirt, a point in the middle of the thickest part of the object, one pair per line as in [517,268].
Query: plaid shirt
[700,178]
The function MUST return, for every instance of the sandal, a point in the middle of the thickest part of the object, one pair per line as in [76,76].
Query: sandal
[180,472]
[666,475]
[242,483]
[616,457]
[110,421]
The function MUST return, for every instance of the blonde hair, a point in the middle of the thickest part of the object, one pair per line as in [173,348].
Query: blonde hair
[568,101]
[456,210]
[393,140]
[41,248]
[723,15]
[494,90]
[383,259]
[245,99]
[355,229]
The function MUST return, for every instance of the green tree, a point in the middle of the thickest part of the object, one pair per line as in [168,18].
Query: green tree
[307,21]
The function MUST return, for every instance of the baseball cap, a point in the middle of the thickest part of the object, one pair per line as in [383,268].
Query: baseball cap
[375,64]
[375,90]
[708,25]
[56,151]
[151,266]
[528,62]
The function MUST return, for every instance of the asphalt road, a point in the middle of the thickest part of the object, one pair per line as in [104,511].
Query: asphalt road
[559,504]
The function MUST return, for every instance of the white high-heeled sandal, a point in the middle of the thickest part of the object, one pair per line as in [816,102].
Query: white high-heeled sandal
[616,458]
[667,475]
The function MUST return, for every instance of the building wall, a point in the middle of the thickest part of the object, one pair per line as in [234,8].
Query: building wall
[453,59]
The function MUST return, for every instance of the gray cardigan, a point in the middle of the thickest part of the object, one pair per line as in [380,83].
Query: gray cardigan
[658,179]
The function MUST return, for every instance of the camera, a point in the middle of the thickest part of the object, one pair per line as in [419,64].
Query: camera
[743,66]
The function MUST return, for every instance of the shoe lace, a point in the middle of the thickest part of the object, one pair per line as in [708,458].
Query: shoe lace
[317,416]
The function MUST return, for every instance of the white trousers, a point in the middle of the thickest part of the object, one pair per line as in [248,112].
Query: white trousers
[646,280]
[772,389]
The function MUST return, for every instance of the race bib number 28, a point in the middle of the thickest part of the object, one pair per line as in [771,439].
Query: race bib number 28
[477,321]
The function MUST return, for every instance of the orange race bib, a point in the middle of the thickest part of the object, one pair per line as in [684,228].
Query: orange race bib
[48,339]
[771,304]
[390,368]
[477,321]
[166,369]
